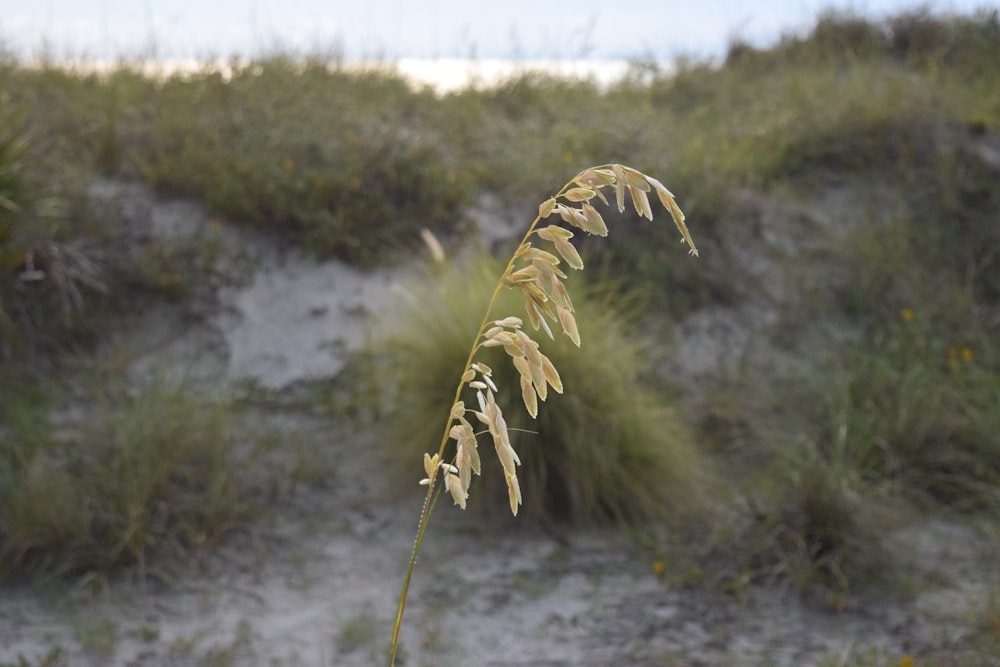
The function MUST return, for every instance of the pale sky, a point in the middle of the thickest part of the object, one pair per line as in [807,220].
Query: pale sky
[390,29]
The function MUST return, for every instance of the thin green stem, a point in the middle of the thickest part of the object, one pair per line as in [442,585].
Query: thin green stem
[428,506]
[425,513]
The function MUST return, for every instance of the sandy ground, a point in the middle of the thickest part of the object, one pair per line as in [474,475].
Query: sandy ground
[315,581]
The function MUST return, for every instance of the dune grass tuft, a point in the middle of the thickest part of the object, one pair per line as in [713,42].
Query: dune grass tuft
[136,476]
[611,449]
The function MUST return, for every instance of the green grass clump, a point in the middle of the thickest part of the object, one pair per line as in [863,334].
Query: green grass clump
[922,398]
[337,160]
[811,524]
[609,448]
[903,413]
[17,201]
[44,273]
[923,412]
[325,156]
[13,196]
[139,475]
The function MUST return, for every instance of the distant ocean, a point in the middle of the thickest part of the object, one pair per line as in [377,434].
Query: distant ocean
[441,74]
[446,74]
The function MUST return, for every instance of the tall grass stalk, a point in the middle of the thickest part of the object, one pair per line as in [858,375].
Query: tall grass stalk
[536,274]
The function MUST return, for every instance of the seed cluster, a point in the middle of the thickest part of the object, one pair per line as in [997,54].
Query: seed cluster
[537,274]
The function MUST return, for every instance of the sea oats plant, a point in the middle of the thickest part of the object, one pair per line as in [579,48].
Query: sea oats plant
[536,274]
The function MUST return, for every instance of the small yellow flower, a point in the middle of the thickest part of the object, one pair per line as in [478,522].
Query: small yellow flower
[659,567]
[966,353]
[906,314]
[906,661]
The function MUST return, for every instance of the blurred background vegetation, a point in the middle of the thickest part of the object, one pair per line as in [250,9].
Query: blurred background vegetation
[842,186]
